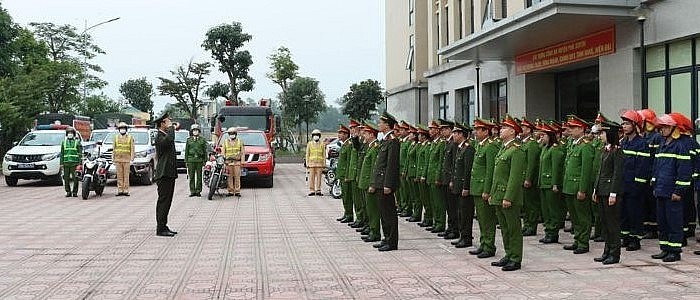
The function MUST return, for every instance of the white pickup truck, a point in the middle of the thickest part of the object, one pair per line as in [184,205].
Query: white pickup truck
[143,165]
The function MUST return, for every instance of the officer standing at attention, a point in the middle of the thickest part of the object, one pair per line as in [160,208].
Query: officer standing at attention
[531,195]
[607,191]
[434,179]
[371,201]
[480,188]
[351,174]
[234,152]
[459,185]
[507,194]
[450,197]
[577,184]
[166,172]
[195,156]
[385,181]
[551,171]
[636,176]
[122,156]
[341,170]
[315,162]
[71,157]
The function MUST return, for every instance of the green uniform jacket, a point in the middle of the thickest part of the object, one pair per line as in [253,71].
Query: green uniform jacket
[403,161]
[577,168]
[195,150]
[386,168]
[165,152]
[610,175]
[354,162]
[448,161]
[508,175]
[422,159]
[412,160]
[551,166]
[482,168]
[368,165]
[461,172]
[532,150]
[435,158]
[361,151]
[341,169]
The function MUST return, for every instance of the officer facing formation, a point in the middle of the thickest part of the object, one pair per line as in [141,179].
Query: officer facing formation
[315,162]
[166,172]
[233,153]
[195,156]
[71,157]
[122,156]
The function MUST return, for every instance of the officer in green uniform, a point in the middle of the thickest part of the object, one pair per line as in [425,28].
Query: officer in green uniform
[549,182]
[195,156]
[434,179]
[166,172]
[531,193]
[422,173]
[577,184]
[71,157]
[450,197]
[371,204]
[403,167]
[415,206]
[341,172]
[385,182]
[360,203]
[507,194]
[480,187]
[459,184]
[351,175]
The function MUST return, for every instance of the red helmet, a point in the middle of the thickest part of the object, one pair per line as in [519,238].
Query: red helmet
[648,115]
[666,120]
[632,116]
[684,124]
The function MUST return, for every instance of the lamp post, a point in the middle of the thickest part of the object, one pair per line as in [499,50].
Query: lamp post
[306,116]
[642,11]
[84,36]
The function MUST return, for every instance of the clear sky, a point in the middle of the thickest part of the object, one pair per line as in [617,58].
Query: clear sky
[338,42]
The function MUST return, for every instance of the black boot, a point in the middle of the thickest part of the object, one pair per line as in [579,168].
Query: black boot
[602,258]
[671,257]
[612,259]
[633,245]
[661,255]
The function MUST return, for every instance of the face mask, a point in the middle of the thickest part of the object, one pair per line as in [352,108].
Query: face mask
[195,133]
[233,136]
[122,131]
[316,138]
[71,136]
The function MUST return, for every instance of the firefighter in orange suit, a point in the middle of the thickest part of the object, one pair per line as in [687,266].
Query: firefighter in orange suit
[315,161]
[234,152]
[122,155]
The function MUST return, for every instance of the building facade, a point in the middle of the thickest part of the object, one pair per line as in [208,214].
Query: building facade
[541,58]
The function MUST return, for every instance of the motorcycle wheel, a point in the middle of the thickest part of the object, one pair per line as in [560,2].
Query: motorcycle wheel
[86,188]
[99,190]
[213,186]
[336,192]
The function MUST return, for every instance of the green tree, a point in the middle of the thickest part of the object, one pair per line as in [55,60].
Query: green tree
[225,42]
[304,101]
[99,104]
[138,93]
[362,99]
[175,111]
[217,90]
[69,54]
[329,119]
[282,68]
[186,87]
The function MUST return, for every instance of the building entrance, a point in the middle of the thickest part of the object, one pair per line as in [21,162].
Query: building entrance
[578,92]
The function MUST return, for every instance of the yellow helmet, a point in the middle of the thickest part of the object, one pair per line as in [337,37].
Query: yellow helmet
[231,130]
[122,125]
[316,132]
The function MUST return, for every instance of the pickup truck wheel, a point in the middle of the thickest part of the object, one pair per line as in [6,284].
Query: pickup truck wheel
[268,182]
[58,178]
[150,176]
[11,181]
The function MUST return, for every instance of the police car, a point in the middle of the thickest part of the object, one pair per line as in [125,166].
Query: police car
[38,155]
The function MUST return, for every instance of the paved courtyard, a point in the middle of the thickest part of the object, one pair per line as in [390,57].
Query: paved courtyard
[280,244]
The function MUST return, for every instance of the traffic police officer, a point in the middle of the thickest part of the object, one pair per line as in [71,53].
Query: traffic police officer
[385,181]
[195,156]
[166,172]
[122,155]
[234,152]
[507,194]
[71,157]
[315,162]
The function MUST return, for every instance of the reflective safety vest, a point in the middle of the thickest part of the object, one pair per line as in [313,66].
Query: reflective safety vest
[232,148]
[123,147]
[315,156]
[70,151]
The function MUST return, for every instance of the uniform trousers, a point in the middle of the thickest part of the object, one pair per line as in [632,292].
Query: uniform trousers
[166,189]
[670,218]
[452,207]
[234,178]
[389,219]
[374,220]
[553,211]
[70,180]
[511,231]
[486,215]
[315,174]
[465,216]
[438,200]
[533,208]
[123,172]
[632,215]
[346,189]
[610,217]
[581,220]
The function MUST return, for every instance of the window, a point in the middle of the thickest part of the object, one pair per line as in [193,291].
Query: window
[471,16]
[529,3]
[460,19]
[411,12]
[447,26]
[498,98]
[411,57]
[441,106]
[672,76]
[467,98]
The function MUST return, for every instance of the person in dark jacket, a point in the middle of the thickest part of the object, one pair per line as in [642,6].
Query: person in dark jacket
[459,184]
[636,176]
[166,172]
[607,190]
[671,178]
[385,181]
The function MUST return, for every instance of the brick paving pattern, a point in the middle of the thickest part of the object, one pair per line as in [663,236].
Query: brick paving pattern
[280,244]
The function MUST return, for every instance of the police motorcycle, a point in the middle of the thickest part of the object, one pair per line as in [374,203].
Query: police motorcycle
[215,174]
[330,177]
[92,173]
